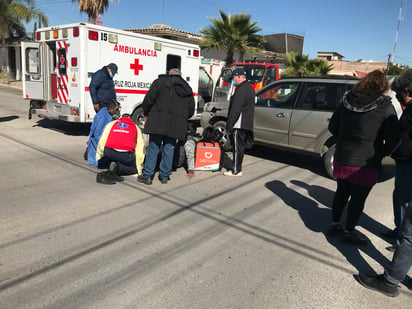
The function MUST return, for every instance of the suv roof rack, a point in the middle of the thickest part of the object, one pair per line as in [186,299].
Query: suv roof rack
[323,77]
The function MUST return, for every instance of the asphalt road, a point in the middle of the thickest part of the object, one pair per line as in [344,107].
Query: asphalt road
[212,242]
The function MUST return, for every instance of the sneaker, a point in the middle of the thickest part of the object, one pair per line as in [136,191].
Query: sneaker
[377,283]
[119,178]
[389,234]
[145,180]
[106,178]
[164,180]
[230,173]
[334,230]
[352,238]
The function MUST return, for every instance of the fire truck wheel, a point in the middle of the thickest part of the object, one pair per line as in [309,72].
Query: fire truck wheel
[138,117]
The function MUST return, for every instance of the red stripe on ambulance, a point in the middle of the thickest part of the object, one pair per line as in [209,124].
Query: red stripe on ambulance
[62,89]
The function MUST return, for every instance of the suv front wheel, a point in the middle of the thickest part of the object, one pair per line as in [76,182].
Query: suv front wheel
[224,141]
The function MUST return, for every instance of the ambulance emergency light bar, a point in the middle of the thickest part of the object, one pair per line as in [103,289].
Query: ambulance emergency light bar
[55,33]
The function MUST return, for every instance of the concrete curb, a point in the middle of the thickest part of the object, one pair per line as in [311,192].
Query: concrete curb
[14,85]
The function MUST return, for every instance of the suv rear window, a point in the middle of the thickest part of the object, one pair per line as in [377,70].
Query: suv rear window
[321,96]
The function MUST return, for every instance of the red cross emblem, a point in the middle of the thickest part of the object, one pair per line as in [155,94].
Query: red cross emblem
[62,59]
[136,67]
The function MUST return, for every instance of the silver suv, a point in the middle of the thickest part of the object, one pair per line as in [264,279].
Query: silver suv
[291,113]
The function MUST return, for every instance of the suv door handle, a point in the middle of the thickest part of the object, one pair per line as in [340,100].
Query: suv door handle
[281,115]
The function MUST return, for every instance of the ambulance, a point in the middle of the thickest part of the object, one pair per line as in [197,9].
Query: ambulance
[59,64]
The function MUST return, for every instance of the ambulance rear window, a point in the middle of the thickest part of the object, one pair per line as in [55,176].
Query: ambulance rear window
[32,61]
[173,62]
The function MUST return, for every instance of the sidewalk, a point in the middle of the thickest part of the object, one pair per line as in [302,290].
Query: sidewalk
[13,84]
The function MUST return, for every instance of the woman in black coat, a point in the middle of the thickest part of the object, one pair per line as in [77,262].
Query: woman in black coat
[366,129]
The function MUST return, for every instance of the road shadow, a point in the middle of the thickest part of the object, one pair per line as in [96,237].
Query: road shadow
[315,213]
[302,160]
[67,128]
[8,118]
[307,161]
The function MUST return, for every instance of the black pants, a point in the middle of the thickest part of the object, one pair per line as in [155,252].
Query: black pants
[126,160]
[357,194]
[238,140]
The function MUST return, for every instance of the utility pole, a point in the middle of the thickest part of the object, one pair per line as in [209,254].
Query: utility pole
[387,65]
[286,39]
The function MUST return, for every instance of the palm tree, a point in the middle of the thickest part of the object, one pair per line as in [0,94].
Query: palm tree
[13,15]
[93,8]
[301,65]
[232,33]
[321,67]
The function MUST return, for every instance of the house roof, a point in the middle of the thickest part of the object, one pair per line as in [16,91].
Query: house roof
[330,53]
[165,30]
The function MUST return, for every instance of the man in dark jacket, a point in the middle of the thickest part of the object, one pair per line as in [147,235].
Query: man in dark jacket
[239,125]
[397,270]
[168,105]
[102,86]
[403,155]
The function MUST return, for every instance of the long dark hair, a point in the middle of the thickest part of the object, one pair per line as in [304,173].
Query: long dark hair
[374,81]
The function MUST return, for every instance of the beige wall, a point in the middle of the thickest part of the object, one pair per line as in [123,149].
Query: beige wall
[349,67]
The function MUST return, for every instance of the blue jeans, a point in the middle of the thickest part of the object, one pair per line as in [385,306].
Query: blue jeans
[397,270]
[166,162]
[402,192]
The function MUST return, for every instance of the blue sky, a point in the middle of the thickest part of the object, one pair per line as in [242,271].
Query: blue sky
[357,29]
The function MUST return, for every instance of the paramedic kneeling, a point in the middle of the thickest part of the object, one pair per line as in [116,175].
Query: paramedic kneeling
[122,144]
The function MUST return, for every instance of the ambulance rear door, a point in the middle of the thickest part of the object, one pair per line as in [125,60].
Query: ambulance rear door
[33,74]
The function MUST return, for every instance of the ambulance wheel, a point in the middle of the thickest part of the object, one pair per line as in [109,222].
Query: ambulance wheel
[138,117]
[224,141]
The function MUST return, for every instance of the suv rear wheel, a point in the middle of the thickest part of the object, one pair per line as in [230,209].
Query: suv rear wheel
[328,160]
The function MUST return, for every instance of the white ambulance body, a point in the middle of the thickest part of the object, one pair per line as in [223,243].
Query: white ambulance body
[58,68]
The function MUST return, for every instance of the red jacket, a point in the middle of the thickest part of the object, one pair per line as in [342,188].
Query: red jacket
[123,135]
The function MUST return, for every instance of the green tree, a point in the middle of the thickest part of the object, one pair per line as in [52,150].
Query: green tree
[93,8]
[13,16]
[301,65]
[232,33]
[394,69]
